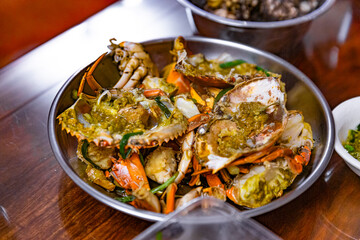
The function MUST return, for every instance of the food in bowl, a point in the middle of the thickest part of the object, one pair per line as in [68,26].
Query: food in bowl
[352,143]
[259,11]
[202,127]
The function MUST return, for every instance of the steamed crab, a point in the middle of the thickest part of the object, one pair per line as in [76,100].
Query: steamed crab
[247,119]
[268,181]
[114,113]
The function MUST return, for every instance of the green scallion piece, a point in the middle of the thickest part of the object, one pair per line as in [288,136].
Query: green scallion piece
[163,107]
[84,151]
[358,127]
[141,158]
[125,199]
[159,235]
[349,148]
[165,184]
[221,93]
[352,136]
[123,143]
[232,63]
[263,70]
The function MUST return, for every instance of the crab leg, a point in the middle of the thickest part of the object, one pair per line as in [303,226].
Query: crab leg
[88,76]
[216,188]
[129,69]
[170,198]
[153,93]
[138,74]
[197,167]
[278,153]
[225,175]
[296,163]
[130,173]
[197,120]
[186,156]
[253,157]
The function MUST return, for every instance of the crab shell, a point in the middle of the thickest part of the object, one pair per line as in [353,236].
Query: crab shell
[156,130]
[266,91]
[262,184]
[209,73]
[189,66]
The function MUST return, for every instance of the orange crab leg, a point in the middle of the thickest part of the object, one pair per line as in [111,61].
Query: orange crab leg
[303,158]
[201,172]
[88,76]
[278,153]
[197,167]
[305,153]
[170,198]
[251,158]
[130,173]
[197,120]
[225,175]
[295,167]
[230,194]
[153,92]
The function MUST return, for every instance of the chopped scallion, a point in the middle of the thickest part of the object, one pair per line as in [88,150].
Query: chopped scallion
[84,152]
[124,142]
[125,199]
[165,184]
[163,107]
[263,70]
[349,148]
[232,63]
[220,94]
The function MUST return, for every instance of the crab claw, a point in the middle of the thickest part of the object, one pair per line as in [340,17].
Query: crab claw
[130,173]
[88,76]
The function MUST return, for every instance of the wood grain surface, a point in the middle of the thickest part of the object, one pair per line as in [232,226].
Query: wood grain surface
[39,201]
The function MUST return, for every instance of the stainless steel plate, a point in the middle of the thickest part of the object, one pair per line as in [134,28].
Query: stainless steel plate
[302,95]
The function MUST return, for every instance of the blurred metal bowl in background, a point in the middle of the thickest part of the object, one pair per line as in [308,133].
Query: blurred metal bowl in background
[302,94]
[275,36]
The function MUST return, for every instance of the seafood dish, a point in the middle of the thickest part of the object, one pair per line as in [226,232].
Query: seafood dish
[198,127]
[259,11]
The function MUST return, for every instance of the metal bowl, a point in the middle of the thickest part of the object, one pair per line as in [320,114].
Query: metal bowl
[279,35]
[302,95]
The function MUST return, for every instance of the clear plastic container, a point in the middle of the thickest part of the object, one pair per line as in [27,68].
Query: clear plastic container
[207,218]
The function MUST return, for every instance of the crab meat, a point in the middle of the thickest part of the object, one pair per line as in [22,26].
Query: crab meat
[249,118]
[297,132]
[107,118]
[161,164]
[134,63]
[159,83]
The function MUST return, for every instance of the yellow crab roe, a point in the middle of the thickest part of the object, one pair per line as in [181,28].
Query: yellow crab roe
[250,120]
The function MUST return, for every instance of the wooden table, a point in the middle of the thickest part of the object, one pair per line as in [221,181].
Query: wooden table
[39,201]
